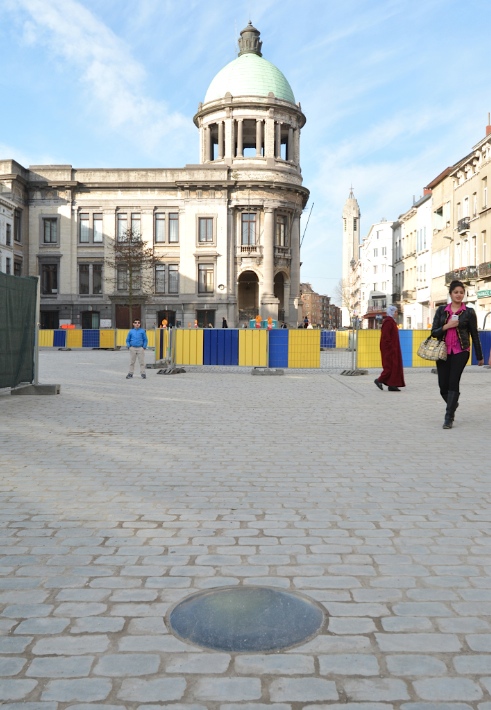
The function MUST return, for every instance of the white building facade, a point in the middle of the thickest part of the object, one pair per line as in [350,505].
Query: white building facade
[376,268]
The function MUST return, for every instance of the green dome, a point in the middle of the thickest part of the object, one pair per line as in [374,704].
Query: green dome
[249,75]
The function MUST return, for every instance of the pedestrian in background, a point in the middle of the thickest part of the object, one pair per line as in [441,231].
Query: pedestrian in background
[136,342]
[390,350]
[456,324]
[224,322]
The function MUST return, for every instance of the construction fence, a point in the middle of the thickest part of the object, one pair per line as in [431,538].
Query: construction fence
[302,348]
[18,310]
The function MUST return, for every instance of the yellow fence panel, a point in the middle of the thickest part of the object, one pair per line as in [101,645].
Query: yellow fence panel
[74,338]
[121,335]
[342,339]
[46,338]
[368,349]
[151,338]
[304,348]
[418,337]
[253,348]
[189,347]
[106,338]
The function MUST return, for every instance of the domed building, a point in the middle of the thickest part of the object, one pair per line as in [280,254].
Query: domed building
[225,233]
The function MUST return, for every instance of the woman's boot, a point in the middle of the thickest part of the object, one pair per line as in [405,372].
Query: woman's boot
[452,404]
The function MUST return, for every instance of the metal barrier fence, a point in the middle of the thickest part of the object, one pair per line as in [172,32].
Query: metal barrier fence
[256,348]
[302,348]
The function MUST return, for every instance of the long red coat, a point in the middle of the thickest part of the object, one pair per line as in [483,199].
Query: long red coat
[390,349]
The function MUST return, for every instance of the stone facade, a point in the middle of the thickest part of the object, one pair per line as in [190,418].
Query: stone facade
[225,233]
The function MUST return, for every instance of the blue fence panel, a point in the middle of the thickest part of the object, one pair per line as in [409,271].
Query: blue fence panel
[278,348]
[406,340]
[485,338]
[59,339]
[90,339]
[328,339]
[221,347]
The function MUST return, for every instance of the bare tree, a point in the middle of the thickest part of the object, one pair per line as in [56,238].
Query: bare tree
[133,265]
[347,294]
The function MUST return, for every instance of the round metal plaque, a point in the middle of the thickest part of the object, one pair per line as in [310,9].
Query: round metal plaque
[246,619]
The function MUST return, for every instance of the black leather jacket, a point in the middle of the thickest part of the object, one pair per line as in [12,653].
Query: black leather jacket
[466,328]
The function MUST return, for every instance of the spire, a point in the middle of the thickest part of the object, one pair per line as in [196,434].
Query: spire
[249,42]
[351,193]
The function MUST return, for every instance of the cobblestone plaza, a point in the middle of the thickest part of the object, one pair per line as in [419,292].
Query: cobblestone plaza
[121,498]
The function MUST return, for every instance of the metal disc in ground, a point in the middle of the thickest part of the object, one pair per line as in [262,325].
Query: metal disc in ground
[246,619]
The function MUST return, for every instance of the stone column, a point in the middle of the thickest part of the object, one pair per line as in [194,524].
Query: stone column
[269,129]
[286,301]
[206,144]
[278,140]
[228,138]
[290,151]
[231,293]
[294,272]
[269,303]
[259,137]
[240,138]
[220,140]
[297,147]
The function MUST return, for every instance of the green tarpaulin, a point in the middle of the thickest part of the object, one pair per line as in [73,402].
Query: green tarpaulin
[17,329]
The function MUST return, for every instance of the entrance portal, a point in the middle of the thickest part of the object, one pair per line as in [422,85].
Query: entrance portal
[123,315]
[279,292]
[205,318]
[90,320]
[50,320]
[169,316]
[248,296]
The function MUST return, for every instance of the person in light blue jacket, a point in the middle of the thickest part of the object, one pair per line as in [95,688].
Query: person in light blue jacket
[137,342]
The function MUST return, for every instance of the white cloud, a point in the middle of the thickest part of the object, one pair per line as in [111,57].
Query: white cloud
[112,80]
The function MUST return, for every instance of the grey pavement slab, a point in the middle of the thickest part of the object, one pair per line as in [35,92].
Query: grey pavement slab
[119,498]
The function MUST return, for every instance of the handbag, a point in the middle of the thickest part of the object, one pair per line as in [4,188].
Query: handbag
[432,349]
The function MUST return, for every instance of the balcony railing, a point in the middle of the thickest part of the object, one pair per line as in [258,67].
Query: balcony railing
[484,269]
[463,225]
[282,252]
[249,249]
[408,295]
[465,274]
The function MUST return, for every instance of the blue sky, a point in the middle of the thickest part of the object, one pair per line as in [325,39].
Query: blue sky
[394,91]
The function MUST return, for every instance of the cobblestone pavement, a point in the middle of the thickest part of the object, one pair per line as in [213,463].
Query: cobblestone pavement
[120,498]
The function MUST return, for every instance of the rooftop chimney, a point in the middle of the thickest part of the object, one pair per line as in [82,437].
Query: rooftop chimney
[488,127]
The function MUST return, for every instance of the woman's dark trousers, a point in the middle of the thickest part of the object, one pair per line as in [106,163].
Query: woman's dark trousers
[449,374]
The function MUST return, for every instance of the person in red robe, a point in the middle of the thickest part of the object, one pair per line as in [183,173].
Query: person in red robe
[390,349]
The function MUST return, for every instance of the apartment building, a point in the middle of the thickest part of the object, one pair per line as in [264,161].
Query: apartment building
[376,269]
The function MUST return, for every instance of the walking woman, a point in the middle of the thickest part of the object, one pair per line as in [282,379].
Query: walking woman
[455,324]
[390,350]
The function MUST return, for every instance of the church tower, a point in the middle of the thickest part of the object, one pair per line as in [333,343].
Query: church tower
[351,248]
